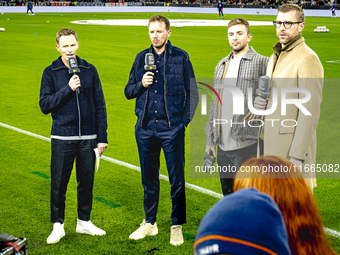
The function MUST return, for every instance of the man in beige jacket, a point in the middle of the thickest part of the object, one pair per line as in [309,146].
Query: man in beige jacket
[293,66]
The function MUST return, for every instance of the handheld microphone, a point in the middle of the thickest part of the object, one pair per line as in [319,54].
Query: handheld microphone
[150,62]
[73,68]
[264,87]
[209,161]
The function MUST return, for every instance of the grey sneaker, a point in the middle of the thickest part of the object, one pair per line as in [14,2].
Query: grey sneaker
[176,236]
[145,229]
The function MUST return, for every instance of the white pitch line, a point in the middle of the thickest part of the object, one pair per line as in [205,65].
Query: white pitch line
[174,22]
[121,163]
[26,132]
[332,232]
[137,168]
[334,61]
[164,177]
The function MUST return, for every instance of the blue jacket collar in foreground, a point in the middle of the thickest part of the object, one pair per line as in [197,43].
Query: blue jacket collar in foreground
[168,48]
[58,63]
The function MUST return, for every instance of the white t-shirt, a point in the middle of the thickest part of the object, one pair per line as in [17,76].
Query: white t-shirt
[226,141]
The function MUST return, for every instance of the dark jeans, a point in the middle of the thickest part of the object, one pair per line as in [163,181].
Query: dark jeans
[232,160]
[62,160]
[149,147]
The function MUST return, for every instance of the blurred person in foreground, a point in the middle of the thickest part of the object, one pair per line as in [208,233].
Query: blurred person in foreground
[294,67]
[294,198]
[77,106]
[166,100]
[247,222]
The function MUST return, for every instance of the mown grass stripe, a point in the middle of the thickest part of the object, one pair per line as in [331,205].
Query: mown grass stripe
[189,237]
[107,202]
[41,175]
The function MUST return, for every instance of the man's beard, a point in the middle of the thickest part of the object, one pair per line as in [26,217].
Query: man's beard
[160,46]
[239,50]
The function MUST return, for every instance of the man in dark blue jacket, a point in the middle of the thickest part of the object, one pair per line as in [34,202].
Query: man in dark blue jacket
[29,8]
[166,100]
[77,106]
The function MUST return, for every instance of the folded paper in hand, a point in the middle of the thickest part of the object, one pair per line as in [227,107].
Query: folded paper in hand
[97,157]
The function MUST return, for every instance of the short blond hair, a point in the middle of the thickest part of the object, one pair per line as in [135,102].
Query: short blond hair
[160,18]
[300,15]
[66,32]
[239,21]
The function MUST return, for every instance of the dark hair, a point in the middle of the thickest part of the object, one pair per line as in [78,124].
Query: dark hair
[66,32]
[160,18]
[239,21]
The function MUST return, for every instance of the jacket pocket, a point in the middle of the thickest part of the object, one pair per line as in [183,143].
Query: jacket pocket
[287,130]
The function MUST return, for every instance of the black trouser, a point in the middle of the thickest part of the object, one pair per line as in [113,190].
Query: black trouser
[149,148]
[63,154]
[220,12]
[233,159]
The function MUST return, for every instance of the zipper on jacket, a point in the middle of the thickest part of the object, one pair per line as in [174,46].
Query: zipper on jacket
[166,112]
[78,113]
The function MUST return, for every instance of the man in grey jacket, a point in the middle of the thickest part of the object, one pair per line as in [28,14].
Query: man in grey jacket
[236,139]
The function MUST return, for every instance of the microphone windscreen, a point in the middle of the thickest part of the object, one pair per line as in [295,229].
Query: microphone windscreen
[149,62]
[73,65]
[264,87]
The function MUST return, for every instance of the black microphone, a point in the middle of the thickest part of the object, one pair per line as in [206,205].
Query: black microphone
[150,62]
[264,87]
[73,68]
[209,161]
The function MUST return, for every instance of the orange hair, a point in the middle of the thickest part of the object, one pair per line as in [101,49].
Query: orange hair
[295,200]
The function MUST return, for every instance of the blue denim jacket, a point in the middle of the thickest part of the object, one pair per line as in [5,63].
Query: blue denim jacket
[57,98]
[180,89]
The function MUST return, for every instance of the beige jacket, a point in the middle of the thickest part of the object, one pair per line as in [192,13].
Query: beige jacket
[296,67]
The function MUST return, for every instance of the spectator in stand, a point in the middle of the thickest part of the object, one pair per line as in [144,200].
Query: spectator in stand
[290,191]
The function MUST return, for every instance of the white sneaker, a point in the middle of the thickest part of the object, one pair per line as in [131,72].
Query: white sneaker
[57,233]
[176,236]
[87,227]
[145,229]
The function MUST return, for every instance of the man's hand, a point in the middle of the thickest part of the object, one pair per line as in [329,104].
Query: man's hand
[147,79]
[212,149]
[101,148]
[74,82]
[296,162]
[259,104]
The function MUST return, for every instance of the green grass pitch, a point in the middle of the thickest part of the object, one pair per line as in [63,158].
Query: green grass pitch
[28,46]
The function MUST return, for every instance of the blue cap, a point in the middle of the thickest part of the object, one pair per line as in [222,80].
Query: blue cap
[243,223]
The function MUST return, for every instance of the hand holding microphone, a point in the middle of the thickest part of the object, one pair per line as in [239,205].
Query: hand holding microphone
[260,101]
[74,82]
[147,79]
[149,66]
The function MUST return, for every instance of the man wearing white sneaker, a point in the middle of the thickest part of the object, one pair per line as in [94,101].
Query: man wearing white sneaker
[77,106]
[166,100]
